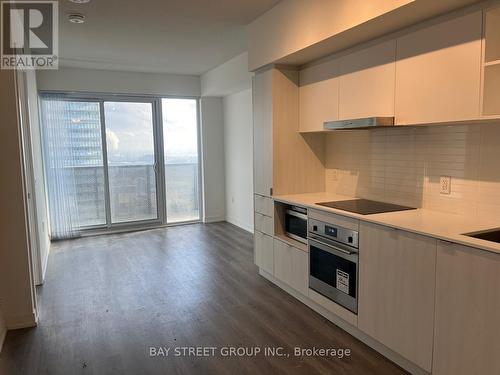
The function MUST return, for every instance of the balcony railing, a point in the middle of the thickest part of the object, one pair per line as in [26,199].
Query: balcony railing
[133,193]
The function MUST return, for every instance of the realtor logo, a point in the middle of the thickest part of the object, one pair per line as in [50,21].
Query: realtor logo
[29,35]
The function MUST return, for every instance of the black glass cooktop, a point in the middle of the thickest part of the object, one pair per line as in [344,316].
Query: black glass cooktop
[365,206]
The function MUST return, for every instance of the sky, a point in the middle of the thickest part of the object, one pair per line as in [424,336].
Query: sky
[129,130]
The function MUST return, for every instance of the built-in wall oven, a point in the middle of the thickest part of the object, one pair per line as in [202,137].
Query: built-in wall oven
[296,223]
[333,263]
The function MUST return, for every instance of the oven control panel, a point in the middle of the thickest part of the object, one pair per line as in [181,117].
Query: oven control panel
[334,232]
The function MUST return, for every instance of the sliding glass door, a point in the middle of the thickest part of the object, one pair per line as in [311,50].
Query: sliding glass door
[120,161]
[130,146]
[181,158]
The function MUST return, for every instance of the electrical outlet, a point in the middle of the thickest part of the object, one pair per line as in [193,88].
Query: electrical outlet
[445,185]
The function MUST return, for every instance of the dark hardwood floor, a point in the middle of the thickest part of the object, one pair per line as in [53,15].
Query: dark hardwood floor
[108,299]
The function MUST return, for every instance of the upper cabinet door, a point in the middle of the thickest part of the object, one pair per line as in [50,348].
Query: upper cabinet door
[263,132]
[491,73]
[318,96]
[366,83]
[438,72]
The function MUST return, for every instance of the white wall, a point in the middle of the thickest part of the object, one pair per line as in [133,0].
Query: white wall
[232,83]
[41,225]
[107,81]
[238,157]
[294,25]
[16,289]
[227,78]
[212,134]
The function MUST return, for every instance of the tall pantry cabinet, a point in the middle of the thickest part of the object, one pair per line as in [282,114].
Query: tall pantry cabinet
[285,162]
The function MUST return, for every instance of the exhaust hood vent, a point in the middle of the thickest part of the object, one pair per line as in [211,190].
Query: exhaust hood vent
[360,123]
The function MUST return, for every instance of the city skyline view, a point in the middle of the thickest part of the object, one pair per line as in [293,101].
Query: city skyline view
[73,136]
[129,131]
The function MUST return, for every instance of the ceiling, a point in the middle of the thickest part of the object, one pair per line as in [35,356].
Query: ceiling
[167,36]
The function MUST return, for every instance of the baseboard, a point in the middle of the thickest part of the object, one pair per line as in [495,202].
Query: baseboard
[240,224]
[21,321]
[214,219]
[44,271]
[354,331]
[45,262]
[17,322]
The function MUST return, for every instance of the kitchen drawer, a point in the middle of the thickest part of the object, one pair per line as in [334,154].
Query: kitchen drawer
[334,308]
[264,224]
[343,221]
[264,205]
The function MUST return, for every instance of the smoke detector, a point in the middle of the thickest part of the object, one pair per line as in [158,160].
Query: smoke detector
[76,18]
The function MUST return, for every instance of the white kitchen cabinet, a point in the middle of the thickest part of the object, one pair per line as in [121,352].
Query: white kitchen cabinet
[318,96]
[366,82]
[291,266]
[467,329]
[397,289]
[282,261]
[264,252]
[264,205]
[263,132]
[300,270]
[438,72]
[357,85]
[491,63]
[264,224]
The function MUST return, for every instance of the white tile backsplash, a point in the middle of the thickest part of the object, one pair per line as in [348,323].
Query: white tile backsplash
[404,165]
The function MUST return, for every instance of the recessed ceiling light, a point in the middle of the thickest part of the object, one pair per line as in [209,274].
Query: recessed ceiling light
[79,1]
[76,18]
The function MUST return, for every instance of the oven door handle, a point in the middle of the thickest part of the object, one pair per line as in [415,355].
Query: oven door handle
[296,214]
[331,246]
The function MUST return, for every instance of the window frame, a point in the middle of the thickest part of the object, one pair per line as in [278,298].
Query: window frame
[159,164]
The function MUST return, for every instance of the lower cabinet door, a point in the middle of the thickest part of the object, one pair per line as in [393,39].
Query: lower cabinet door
[264,252]
[467,332]
[300,271]
[282,261]
[396,290]
[291,266]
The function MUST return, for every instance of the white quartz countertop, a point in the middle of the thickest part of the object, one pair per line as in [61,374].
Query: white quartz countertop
[443,226]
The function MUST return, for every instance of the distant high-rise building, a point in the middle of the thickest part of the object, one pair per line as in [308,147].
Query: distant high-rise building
[80,124]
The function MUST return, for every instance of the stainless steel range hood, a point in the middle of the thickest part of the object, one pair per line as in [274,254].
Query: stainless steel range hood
[360,123]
